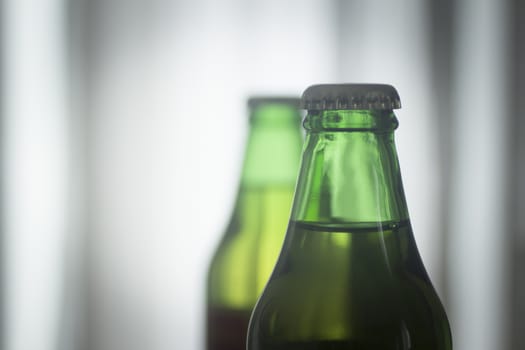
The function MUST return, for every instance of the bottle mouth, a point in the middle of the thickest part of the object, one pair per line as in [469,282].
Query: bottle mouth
[256,101]
[276,114]
[351,121]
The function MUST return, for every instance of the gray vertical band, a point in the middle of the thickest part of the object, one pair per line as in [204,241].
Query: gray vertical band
[516,188]
[478,204]
[441,16]
[75,326]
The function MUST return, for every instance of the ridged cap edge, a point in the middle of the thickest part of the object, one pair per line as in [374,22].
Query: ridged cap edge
[350,96]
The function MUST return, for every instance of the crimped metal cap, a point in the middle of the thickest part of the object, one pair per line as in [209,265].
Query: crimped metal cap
[350,96]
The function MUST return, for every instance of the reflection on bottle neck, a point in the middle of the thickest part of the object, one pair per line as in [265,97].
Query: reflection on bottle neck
[350,171]
[377,121]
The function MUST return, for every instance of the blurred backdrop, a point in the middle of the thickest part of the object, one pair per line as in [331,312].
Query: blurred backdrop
[123,125]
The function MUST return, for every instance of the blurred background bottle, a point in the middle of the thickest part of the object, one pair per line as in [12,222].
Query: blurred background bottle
[249,248]
[349,276]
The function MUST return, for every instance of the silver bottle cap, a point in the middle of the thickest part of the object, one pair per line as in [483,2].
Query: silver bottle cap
[350,96]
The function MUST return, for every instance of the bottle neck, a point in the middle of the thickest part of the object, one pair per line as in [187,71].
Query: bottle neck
[350,170]
[274,147]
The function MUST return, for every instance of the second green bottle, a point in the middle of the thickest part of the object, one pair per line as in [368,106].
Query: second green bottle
[249,248]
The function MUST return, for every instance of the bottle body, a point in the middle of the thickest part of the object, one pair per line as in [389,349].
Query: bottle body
[349,275]
[250,246]
[368,291]
[243,263]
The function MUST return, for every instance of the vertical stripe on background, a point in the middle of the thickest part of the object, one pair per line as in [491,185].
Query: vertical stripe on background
[35,180]
[478,229]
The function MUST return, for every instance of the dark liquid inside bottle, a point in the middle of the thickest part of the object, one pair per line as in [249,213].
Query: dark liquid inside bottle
[358,287]
[331,345]
[227,329]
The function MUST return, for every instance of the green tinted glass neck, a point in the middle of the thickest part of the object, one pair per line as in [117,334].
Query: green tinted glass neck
[274,143]
[350,171]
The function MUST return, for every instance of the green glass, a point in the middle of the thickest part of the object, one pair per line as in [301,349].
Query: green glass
[349,275]
[250,246]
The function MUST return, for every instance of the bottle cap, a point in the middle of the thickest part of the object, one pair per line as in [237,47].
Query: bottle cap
[256,101]
[350,96]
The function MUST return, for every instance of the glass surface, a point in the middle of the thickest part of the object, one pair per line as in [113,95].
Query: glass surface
[249,248]
[349,275]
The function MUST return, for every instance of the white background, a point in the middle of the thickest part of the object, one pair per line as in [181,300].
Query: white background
[120,168]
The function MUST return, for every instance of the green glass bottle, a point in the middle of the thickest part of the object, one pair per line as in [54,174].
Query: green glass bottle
[349,275]
[250,246]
